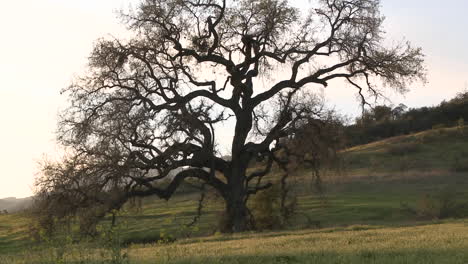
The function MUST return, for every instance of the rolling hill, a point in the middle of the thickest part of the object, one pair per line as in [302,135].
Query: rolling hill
[12,204]
[387,190]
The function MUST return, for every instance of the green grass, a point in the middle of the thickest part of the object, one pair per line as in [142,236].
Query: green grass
[431,243]
[442,243]
[13,233]
[361,215]
[434,150]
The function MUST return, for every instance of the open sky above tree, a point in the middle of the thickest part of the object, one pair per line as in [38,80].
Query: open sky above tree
[63,32]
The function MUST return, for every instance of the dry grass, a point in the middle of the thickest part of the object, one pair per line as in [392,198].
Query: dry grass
[351,245]
[434,243]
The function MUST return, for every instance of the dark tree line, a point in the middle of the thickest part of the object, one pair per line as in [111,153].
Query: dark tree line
[384,121]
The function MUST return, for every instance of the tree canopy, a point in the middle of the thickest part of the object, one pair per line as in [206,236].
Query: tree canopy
[145,116]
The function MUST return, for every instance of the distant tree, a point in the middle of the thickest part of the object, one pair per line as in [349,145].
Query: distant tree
[398,111]
[383,122]
[153,104]
[382,113]
[461,97]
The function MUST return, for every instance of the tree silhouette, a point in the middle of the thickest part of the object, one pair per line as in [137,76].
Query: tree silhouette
[149,108]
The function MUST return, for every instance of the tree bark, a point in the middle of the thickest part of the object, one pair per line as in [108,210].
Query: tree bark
[236,208]
[237,216]
[237,213]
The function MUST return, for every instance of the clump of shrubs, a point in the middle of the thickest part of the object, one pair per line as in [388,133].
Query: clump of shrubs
[437,206]
[270,211]
[265,208]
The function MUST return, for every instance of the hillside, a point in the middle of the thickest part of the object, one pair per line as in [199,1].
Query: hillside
[385,121]
[436,150]
[12,204]
[385,191]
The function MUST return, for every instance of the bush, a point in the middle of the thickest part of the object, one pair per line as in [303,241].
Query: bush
[223,222]
[266,209]
[437,206]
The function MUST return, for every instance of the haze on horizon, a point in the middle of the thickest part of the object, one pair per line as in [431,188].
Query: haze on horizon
[45,43]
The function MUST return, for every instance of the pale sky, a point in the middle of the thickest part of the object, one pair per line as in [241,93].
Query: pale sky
[45,43]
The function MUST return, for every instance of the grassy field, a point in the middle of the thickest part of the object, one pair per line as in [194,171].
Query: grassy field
[13,233]
[436,150]
[431,243]
[382,208]
[443,243]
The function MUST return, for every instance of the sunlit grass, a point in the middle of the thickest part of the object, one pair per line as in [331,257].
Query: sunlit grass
[13,232]
[437,243]
[432,243]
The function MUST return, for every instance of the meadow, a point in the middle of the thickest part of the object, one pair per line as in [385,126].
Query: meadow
[399,200]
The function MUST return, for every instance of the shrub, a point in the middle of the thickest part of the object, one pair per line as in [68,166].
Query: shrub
[437,206]
[273,208]
[266,209]
[111,240]
[223,222]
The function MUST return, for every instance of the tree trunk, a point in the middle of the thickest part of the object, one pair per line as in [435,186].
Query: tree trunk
[236,209]
[237,215]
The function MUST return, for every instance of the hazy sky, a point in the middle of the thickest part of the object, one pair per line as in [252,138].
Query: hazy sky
[45,43]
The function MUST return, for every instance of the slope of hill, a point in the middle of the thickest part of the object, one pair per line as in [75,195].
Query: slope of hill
[383,121]
[12,204]
[444,149]
[385,185]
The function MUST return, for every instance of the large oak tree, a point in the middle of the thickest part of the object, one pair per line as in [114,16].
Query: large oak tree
[145,116]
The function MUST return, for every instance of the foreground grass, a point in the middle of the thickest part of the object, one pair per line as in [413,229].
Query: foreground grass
[436,243]
[365,202]
[445,242]
[13,233]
